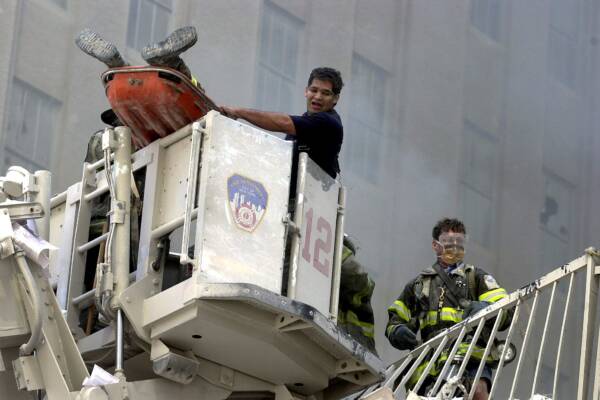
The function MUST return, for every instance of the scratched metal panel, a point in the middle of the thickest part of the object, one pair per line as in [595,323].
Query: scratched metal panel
[315,261]
[172,183]
[246,199]
[57,220]
[13,320]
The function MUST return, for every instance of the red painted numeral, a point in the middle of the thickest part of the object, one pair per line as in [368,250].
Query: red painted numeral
[325,246]
[322,248]
[307,234]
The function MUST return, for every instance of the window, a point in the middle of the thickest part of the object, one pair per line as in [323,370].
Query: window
[278,59]
[148,22]
[485,16]
[562,41]
[479,172]
[364,133]
[555,221]
[61,3]
[31,127]
[562,51]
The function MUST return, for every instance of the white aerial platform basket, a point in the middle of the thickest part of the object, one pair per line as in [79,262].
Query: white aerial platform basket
[226,184]
[244,187]
[242,211]
[242,202]
[232,311]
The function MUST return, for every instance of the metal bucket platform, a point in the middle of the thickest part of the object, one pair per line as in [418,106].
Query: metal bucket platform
[259,333]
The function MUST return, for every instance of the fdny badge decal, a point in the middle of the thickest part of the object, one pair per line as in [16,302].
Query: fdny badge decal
[247,201]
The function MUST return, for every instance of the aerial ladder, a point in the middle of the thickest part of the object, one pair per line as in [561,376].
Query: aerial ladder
[552,340]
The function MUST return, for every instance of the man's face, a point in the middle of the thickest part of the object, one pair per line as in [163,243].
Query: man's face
[450,248]
[320,97]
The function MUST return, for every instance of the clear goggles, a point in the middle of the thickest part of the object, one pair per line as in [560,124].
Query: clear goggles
[452,240]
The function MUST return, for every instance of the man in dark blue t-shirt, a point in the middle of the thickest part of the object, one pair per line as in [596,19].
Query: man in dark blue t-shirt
[319,130]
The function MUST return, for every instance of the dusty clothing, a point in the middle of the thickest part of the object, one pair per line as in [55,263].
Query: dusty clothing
[320,135]
[425,305]
[355,314]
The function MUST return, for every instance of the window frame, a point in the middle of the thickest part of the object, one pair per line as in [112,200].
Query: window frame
[268,72]
[491,25]
[470,128]
[53,108]
[133,40]
[356,141]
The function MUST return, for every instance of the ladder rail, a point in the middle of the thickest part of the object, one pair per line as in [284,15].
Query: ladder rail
[528,294]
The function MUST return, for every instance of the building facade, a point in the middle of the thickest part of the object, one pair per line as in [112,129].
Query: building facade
[485,109]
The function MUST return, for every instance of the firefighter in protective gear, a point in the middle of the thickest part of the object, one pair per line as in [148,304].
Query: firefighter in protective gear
[355,314]
[428,305]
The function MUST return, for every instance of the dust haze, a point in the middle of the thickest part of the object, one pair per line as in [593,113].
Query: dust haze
[485,110]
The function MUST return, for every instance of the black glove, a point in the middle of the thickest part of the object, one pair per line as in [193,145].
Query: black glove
[474,307]
[403,338]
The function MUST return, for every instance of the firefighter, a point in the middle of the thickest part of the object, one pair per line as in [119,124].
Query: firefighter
[440,297]
[318,131]
[355,314]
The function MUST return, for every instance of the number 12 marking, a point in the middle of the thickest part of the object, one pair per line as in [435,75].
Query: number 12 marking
[320,245]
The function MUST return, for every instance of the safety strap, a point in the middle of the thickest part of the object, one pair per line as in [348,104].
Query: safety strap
[471,282]
[453,293]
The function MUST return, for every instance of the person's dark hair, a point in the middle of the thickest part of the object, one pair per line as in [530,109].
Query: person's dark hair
[330,75]
[447,225]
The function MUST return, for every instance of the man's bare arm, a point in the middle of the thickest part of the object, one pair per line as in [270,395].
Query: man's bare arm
[271,121]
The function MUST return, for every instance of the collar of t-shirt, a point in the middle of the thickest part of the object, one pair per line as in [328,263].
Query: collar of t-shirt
[456,269]
[331,112]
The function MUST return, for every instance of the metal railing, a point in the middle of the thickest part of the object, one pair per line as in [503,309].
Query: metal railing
[566,358]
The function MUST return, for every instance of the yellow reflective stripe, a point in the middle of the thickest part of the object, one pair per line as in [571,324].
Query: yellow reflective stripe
[346,252]
[389,329]
[447,314]
[451,314]
[357,299]
[194,81]
[429,319]
[477,352]
[434,371]
[401,310]
[367,328]
[493,295]
[417,374]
